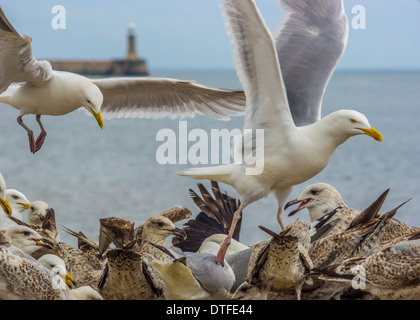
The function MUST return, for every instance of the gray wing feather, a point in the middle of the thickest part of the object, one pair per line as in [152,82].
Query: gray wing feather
[16,59]
[310,41]
[212,277]
[164,97]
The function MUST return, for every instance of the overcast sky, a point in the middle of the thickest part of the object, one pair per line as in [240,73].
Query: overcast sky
[190,34]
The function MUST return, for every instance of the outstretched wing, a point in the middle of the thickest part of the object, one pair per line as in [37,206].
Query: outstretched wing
[310,41]
[258,68]
[164,97]
[16,59]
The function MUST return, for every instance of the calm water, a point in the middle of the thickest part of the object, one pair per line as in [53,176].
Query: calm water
[86,174]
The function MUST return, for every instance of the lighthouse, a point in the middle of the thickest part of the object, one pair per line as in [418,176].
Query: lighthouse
[130,65]
[131,51]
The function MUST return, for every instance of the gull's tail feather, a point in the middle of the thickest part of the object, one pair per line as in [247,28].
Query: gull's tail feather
[219,173]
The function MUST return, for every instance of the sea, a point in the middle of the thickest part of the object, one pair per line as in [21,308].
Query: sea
[86,173]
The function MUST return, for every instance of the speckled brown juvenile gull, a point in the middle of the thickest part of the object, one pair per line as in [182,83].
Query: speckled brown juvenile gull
[357,241]
[156,230]
[326,205]
[85,269]
[28,240]
[22,277]
[391,274]
[281,264]
[129,276]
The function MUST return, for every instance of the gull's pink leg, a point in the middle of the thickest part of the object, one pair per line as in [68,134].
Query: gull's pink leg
[30,134]
[41,138]
[280,218]
[225,245]
[281,196]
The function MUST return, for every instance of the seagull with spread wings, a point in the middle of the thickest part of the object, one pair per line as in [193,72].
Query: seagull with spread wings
[282,79]
[33,87]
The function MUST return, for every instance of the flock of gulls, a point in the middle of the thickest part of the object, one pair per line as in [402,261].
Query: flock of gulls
[342,253]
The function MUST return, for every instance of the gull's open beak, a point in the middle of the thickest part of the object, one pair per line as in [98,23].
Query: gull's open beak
[302,205]
[44,243]
[372,132]
[6,207]
[180,232]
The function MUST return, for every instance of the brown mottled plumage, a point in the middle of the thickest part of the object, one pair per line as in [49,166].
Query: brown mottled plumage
[23,278]
[114,229]
[391,274]
[177,214]
[281,264]
[325,204]
[358,241]
[85,269]
[129,276]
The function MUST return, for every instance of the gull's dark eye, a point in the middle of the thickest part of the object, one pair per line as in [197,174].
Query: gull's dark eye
[89,101]
[15,197]
[26,233]
[160,224]
[314,192]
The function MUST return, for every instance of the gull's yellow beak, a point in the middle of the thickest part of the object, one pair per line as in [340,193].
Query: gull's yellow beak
[372,132]
[98,117]
[6,206]
[25,205]
[69,280]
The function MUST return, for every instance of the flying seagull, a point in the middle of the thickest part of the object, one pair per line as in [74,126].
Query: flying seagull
[292,154]
[33,87]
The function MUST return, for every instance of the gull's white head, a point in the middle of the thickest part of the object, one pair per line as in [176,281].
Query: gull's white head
[353,123]
[18,202]
[57,266]
[92,100]
[27,239]
[4,203]
[37,212]
[319,199]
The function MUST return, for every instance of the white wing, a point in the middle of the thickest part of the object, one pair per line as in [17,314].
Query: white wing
[16,61]
[164,97]
[310,41]
[257,66]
